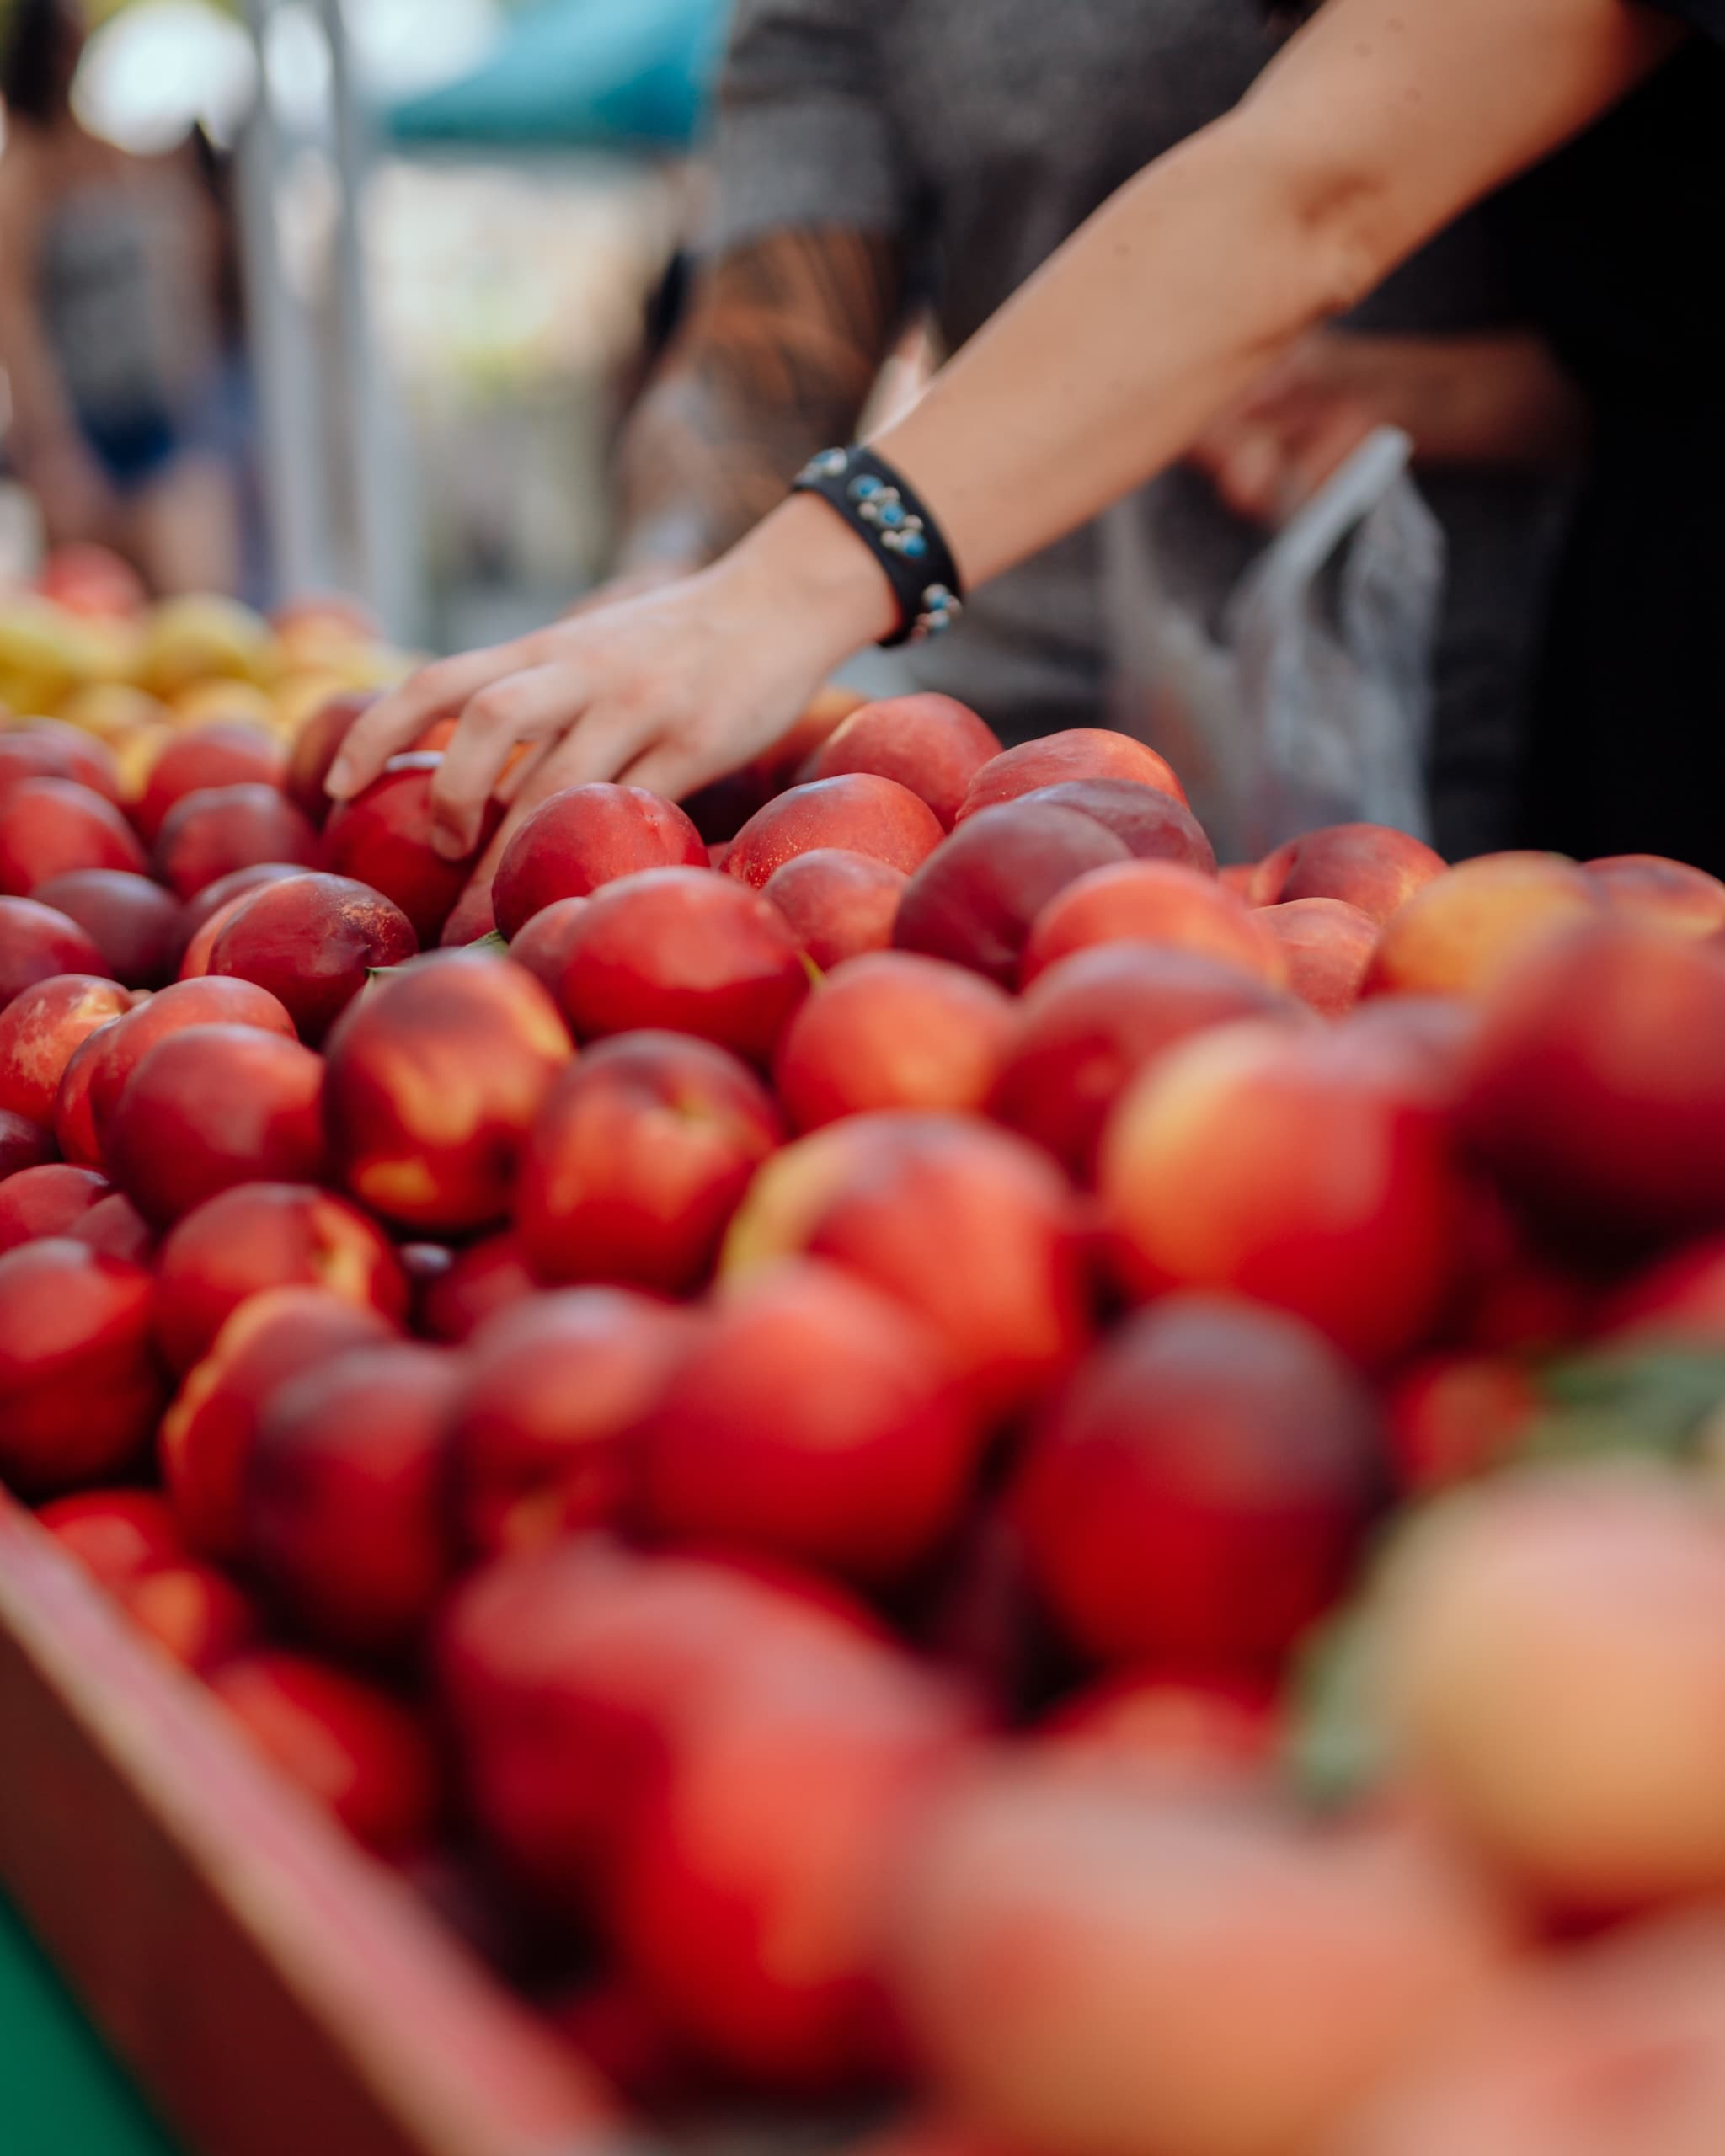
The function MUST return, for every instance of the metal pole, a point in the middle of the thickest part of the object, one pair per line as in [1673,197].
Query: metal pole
[283,362]
[381,550]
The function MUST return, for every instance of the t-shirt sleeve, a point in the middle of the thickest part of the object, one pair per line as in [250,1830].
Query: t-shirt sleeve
[804,136]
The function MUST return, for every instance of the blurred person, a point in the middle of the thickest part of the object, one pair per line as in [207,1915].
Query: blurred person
[870,158]
[109,330]
[1379,122]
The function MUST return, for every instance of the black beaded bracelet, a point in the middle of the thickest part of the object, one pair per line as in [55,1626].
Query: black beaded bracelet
[904,538]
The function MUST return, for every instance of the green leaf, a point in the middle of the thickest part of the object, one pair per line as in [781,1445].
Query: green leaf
[1651,1402]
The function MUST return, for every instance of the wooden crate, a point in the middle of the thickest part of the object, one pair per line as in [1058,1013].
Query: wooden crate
[276,1992]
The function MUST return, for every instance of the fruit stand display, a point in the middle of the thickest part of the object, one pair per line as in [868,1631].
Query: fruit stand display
[873,1463]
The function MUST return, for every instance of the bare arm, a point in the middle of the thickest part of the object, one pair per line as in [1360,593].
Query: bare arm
[1379,122]
[785,337]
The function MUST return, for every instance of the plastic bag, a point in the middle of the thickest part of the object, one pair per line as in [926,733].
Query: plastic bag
[1311,703]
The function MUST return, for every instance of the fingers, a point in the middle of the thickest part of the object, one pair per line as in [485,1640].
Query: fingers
[1329,444]
[537,704]
[672,768]
[397,721]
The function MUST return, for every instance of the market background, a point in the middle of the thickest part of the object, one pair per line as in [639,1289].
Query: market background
[453,221]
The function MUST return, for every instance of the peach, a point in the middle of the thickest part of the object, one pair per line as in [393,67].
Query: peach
[46,747]
[93,1081]
[838,905]
[1201,1492]
[637,1161]
[1092,1021]
[1664,894]
[213,1106]
[811,1418]
[1326,945]
[1457,934]
[74,1133]
[195,961]
[583,838]
[315,747]
[1199,1731]
[1080,752]
[79,1390]
[490,1275]
[194,1614]
[1079,1957]
[1269,1164]
[1594,1085]
[1554,1668]
[47,1200]
[207,1433]
[1154,826]
[39,1032]
[971,1227]
[566,1671]
[856,813]
[893,1030]
[973,900]
[1156,902]
[133,923]
[1454,1415]
[472,918]
[435,1079]
[224,752]
[342,1496]
[262,1235]
[1680,1296]
[550,1396]
[115,1535]
[24,1144]
[782,1817]
[543,947]
[1611,2051]
[354,1748]
[1369,865]
[382,837]
[197,912]
[114,1226]
[35,943]
[51,826]
[209,834]
[685,950]
[933,745]
[312,942]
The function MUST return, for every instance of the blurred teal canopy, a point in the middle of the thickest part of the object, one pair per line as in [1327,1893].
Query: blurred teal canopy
[607,74]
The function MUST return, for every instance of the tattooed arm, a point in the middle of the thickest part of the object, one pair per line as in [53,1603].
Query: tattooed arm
[786,336]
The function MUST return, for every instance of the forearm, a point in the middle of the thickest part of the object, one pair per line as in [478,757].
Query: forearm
[1497,399]
[784,343]
[1378,125]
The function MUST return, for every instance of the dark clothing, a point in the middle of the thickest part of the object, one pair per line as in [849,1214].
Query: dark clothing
[981,134]
[1621,234]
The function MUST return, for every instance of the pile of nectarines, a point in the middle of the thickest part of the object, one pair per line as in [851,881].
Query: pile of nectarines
[797,1434]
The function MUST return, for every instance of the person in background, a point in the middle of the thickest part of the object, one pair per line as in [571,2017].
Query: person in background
[872,156]
[1376,127]
[110,333]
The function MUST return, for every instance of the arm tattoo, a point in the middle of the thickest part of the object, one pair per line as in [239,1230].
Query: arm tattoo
[782,345]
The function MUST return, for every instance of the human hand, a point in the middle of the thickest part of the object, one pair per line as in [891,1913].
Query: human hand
[666,689]
[1275,446]
[1495,399]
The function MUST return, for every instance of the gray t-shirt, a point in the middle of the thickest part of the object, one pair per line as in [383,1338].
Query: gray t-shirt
[980,134]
